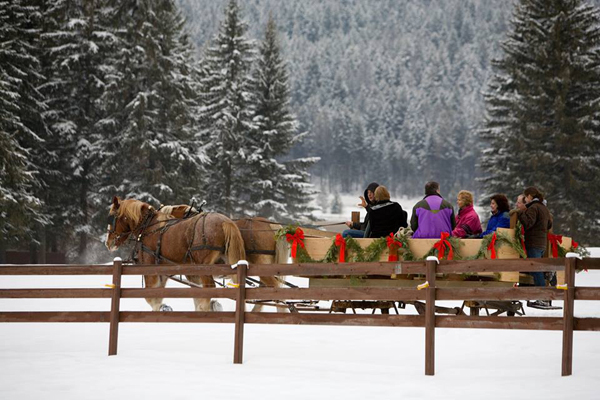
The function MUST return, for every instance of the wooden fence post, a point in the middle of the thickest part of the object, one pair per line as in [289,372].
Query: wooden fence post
[431,265]
[568,306]
[114,307]
[240,309]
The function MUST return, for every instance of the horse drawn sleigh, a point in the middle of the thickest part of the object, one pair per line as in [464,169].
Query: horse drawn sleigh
[180,235]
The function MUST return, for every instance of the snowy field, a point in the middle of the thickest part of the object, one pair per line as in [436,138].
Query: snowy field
[184,361]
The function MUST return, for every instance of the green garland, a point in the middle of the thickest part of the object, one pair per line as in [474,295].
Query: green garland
[454,242]
[501,238]
[519,239]
[373,252]
[355,253]
[580,250]
[402,236]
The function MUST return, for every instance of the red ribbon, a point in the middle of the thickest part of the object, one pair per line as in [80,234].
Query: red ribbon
[393,245]
[574,244]
[554,241]
[522,236]
[492,246]
[341,243]
[295,239]
[441,246]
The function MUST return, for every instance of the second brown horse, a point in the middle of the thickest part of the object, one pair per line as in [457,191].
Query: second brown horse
[259,243]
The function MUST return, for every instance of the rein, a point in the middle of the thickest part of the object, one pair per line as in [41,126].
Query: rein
[158,257]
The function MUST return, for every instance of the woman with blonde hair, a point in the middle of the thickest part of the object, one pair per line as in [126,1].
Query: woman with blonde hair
[467,221]
[385,216]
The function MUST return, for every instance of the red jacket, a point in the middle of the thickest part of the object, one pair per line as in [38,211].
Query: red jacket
[467,223]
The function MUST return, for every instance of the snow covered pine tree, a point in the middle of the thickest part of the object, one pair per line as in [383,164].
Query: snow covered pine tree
[77,43]
[226,115]
[543,112]
[279,190]
[22,129]
[151,153]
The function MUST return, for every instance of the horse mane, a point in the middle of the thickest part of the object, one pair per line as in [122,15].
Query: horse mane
[129,208]
[132,209]
[181,208]
[166,210]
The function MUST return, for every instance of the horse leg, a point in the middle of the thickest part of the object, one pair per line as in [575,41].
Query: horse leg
[156,281]
[272,282]
[205,281]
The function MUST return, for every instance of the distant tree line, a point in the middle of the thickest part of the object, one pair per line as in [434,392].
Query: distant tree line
[490,96]
[389,90]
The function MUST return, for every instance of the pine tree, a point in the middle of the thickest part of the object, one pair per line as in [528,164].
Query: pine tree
[22,128]
[77,43]
[227,113]
[149,146]
[543,108]
[275,134]
[336,204]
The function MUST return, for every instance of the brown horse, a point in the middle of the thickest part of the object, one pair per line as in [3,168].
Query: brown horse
[203,239]
[259,242]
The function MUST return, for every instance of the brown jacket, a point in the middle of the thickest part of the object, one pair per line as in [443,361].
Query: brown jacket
[536,220]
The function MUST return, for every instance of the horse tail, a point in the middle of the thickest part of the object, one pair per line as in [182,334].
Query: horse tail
[234,244]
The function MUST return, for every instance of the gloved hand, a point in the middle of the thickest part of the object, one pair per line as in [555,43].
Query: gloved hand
[513,211]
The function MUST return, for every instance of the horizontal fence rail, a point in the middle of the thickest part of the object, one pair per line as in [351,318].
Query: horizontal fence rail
[429,320]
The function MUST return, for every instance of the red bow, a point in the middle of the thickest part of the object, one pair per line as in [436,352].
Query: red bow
[295,239]
[441,246]
[341,243]
[554,241]
[522,236]
[393,245]
[574,244]
[492,246]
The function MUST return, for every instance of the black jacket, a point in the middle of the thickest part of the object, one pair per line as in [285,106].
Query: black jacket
[386,217]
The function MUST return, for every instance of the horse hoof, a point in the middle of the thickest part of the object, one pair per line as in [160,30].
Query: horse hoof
[215,306]
[164,307]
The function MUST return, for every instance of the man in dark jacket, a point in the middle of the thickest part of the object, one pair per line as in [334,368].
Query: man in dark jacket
[385,216]
[432,215]
[536,220]
[358,229]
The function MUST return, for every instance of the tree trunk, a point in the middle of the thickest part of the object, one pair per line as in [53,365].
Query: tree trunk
[43,247]
[2,251]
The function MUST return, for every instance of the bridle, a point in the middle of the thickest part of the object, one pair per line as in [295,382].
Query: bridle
[140,226]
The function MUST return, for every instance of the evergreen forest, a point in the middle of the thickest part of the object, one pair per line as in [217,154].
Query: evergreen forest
[257,105]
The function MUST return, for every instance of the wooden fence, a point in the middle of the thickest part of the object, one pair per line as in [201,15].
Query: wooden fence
[568,323]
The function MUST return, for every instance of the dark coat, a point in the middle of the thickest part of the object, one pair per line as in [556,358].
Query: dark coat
[363,226]
[386,217]
[536,220]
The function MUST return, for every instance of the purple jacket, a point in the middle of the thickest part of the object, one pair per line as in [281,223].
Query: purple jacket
[432,216]
[467,223]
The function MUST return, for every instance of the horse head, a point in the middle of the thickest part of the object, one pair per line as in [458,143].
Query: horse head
[125,217]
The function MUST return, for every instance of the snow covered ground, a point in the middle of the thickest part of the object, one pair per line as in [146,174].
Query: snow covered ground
[183,361]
